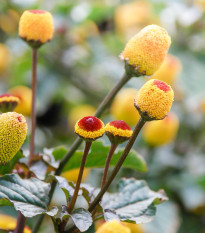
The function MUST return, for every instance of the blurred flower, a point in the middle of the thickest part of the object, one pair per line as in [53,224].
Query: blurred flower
[72,175]
[80,111]
[113,226]
[200,3]
[89,128]
[8,223]
[118,131]
[123,108]
[9,21]
[8,103]
[154,100]
[4,57]
[13,132]
[158,133]
[169,70]
[135,228]
[36,27]
[133,16]
[25,95]
[145,52]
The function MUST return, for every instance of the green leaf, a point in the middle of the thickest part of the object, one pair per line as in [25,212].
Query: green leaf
[7,168]
[134,202]
[97,158]
[30,196]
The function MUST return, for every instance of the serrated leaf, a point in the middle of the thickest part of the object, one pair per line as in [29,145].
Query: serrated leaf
[30,196]
[97,158]
[134,201]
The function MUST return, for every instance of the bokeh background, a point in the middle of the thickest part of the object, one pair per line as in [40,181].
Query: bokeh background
[81,64]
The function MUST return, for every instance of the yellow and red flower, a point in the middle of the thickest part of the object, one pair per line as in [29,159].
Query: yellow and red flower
[13,132]
[145,52]
[8,103]
[89,128]
[158,133]
[113,226]
[154,100]
[36,27]
[118,131]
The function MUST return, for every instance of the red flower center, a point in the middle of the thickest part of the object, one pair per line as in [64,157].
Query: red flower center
[120,125]
[37,11]
[161,85]
[19,118]
[90,123]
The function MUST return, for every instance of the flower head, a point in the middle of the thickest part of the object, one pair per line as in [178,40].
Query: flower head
[145,52]
[72,175]
[122,107]
[135,228]
[113,226]
[154,100]
[169,70]
[9,223]
[118,131]
[36,27]
[8,102]
[25,95]
[13,132]
[89,128]
[158,133]
[4,58]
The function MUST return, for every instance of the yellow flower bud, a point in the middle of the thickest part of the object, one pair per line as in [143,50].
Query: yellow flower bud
[154,100]
[4,57]
[89,128]
[169,70]
[135,228]
[145,52]
[13,132]
[8,103]
[25,95]
[72,175]
[8,223]
[36,27]
[113,227]
[79,112]
[122,107]
[158,133]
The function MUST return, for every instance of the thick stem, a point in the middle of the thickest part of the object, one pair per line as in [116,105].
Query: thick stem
[107,163]
[80,175]
[102,107]
[117,167]
[21,220]
[33,110]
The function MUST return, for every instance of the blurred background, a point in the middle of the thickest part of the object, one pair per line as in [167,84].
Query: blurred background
[81,64]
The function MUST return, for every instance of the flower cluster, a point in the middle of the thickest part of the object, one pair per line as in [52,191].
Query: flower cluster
[13,132]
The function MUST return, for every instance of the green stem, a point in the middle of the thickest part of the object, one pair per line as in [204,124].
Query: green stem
[104,104]
[80,175]
[33,110]
[116,169]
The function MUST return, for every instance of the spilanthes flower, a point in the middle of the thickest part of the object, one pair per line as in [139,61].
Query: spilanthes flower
[90,128]
[135,228]
[144,53]
[72,175]
[122,107]
[118,131]
[4,57]
[154,100]
[113,226]
[13,132]
[169,70]
[8,103]
[158,133]
[36,27]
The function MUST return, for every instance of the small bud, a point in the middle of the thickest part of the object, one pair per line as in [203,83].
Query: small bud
[169,70]
[13,132]
[4,58]
[8,103]
[154,100]
[158,133]
[122,107]
[89,128]
[36,27]
[72,175]
[113,226]
[145,52]
[25,95]
[118,132]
